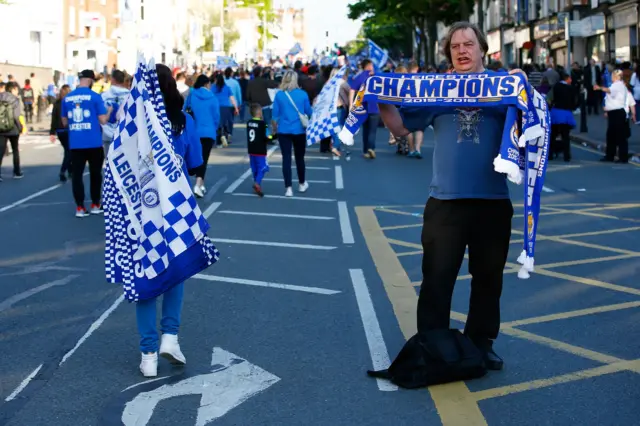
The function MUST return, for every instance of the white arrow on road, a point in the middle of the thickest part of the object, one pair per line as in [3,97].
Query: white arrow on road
[232,381]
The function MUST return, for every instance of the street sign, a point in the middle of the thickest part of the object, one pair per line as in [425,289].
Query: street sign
[230,382]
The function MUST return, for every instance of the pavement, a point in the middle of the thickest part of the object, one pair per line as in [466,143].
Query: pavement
[596,137]
[312,291]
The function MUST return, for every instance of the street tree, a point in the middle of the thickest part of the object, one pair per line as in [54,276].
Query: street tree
[416,17]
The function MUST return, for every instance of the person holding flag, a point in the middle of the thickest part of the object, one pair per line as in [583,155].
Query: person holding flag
[155,232]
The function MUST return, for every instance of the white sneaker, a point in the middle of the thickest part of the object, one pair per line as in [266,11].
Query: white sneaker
[204,190]
[149,364]
[170,349]
[303,187]
[197,191]
[288,192]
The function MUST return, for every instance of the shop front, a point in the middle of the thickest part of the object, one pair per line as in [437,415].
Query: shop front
[523,46]
[495,45]
[541,51]
[508,47]
[625,24]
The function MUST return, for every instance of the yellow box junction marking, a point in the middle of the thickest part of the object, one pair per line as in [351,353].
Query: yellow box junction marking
[455,403]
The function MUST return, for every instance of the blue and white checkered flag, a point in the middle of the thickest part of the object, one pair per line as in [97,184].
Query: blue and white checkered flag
[324,120]
[155,231]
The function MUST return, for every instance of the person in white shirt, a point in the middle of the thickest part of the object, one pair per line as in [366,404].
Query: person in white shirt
[616,107]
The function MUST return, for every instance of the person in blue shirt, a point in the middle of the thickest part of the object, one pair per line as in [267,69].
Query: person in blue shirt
[288,105]
[236,91]
[228,107]
[468,205]
[186,145]
[370,126]
[205,109]
[82,112]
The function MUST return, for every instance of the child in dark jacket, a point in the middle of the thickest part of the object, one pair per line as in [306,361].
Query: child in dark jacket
[257,147]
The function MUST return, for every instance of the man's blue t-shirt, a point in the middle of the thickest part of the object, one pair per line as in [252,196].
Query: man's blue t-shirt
[223,95]
[466,142]
[358,80]
[82,108]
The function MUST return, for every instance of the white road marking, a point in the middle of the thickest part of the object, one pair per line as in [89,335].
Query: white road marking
[30,197]
[305,289]
[345,223]
[581,190]
[212,208]
[93,328]
[339,180]
[309,181]
[546,189]
[231,382]
[279,166]
[24,384]
[377,347]
[271,244]
[331,200]
[8,303]
[336,158]
[292,216]
[236,183]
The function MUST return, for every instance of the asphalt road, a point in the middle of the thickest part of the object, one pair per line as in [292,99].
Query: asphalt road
[312,291]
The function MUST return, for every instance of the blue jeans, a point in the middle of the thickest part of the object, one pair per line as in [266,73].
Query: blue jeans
[342,117]
[169,324]
[369,131]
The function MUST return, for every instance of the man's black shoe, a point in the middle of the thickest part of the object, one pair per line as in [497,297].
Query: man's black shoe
[491,359]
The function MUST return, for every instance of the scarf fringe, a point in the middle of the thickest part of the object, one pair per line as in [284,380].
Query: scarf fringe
[513,172]
[346,137]
[527,265]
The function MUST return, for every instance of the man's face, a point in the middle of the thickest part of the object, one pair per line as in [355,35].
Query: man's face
[369,67]
[414,70]
[466,53]
[15,91]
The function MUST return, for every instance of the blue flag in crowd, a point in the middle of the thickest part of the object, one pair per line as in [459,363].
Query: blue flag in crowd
[295,49]
[155,231]
[524,148]
[226,61]
[378,56]
[324,119]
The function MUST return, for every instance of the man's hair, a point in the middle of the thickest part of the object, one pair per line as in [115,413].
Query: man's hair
[180,76]
[254,109]
[27,82]
[117,76]
[228,72]
[33,74]
[463,25]
[413,64]
[365,62]
[2,84]
[11,86]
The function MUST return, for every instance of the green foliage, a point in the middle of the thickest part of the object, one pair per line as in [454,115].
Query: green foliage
[391,23]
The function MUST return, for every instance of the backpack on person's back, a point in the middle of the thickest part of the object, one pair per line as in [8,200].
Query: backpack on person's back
[7,119]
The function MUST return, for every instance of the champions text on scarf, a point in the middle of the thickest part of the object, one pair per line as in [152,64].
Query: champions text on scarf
[524,142]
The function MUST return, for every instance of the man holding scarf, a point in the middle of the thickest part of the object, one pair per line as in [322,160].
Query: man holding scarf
[468,205]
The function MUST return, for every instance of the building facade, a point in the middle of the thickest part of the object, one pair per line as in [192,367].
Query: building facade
[32,33]
[560,32]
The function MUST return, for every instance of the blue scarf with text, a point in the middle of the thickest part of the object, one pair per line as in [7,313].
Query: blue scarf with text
[525,139]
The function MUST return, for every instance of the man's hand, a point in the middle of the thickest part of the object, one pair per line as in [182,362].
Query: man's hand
[518,70]
[52,138]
